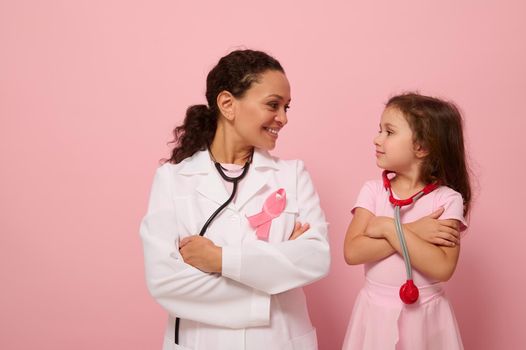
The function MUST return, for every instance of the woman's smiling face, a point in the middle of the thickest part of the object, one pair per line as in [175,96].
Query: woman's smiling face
[261,112]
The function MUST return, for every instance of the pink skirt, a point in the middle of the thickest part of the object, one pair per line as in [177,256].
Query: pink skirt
[381,321]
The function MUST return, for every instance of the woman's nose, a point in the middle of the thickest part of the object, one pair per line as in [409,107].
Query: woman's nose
[282,117]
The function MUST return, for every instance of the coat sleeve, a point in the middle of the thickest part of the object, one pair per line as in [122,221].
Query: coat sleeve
[183,290]
[277,267]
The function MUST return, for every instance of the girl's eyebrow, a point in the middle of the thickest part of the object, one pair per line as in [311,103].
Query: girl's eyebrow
[389,125]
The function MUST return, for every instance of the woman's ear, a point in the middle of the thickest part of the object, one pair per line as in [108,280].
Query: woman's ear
[225,102]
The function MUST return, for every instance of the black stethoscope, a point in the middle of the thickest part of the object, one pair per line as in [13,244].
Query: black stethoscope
[408,291]
[235,181]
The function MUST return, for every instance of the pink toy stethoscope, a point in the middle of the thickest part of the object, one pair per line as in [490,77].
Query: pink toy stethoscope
[408,291]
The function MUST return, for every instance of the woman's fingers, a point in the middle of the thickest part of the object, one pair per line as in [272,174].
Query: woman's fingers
[299,229]
[295,232]
[185,241]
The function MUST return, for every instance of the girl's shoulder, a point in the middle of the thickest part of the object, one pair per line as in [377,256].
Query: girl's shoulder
[446,194]
[453,205]
[375,186]
[371,193]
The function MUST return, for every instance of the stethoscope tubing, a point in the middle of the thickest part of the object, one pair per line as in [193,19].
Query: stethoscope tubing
[401,239]
[234,181]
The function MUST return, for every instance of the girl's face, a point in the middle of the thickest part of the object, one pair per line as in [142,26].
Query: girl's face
[395,149]
[262,111]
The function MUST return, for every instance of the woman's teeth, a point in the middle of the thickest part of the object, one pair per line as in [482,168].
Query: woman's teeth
[272,131]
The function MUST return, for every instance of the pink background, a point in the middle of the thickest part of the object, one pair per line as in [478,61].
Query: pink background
[89,93]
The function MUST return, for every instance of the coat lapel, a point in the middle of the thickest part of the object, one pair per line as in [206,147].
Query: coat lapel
[213,188]
[211,185]
[257,178]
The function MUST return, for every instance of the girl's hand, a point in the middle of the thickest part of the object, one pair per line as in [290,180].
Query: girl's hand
[201,253]
[299,229]
[377,226]
[438,232]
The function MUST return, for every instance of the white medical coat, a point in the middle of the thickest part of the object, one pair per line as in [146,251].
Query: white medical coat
[257,301]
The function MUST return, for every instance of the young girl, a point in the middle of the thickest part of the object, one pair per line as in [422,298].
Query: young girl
[419,145]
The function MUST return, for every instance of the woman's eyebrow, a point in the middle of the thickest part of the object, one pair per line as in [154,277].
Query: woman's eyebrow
[276,95]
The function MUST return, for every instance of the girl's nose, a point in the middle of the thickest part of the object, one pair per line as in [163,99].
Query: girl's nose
[377,140]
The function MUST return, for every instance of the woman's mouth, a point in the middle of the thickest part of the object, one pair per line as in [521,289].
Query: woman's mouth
[272,131]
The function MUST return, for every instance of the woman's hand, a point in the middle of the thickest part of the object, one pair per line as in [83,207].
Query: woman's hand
[438,232]
[377,226]
[201,253]
[299,229]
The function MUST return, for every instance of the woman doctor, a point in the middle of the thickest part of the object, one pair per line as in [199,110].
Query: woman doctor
[238,286]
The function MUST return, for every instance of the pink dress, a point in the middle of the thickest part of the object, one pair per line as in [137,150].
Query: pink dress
[380,320]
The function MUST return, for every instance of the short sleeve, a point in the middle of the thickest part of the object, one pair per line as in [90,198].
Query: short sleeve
[453,205]
[367,196]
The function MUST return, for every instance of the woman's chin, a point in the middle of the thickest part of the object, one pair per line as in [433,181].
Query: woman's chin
[266,146]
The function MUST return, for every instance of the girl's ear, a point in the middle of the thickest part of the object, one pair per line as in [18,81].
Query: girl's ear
[225,102]
[420,152]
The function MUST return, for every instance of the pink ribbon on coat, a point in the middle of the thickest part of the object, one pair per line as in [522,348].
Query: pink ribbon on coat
[272,208]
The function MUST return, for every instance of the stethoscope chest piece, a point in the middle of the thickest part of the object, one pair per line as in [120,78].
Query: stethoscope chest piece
[409,292]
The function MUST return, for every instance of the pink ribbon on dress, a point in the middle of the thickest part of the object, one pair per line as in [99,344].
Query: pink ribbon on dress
[272,208]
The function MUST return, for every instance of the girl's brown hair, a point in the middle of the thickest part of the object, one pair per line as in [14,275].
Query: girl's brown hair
[437,128]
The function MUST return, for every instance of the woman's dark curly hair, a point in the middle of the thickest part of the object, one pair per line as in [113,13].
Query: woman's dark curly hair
[234,73]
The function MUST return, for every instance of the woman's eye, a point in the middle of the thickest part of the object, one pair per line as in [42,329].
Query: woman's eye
[287,107]
[273,105]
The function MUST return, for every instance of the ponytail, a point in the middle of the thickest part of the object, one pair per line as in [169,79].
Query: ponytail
[196,133]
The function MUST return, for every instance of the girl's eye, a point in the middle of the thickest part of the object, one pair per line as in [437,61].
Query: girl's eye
[389,132]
